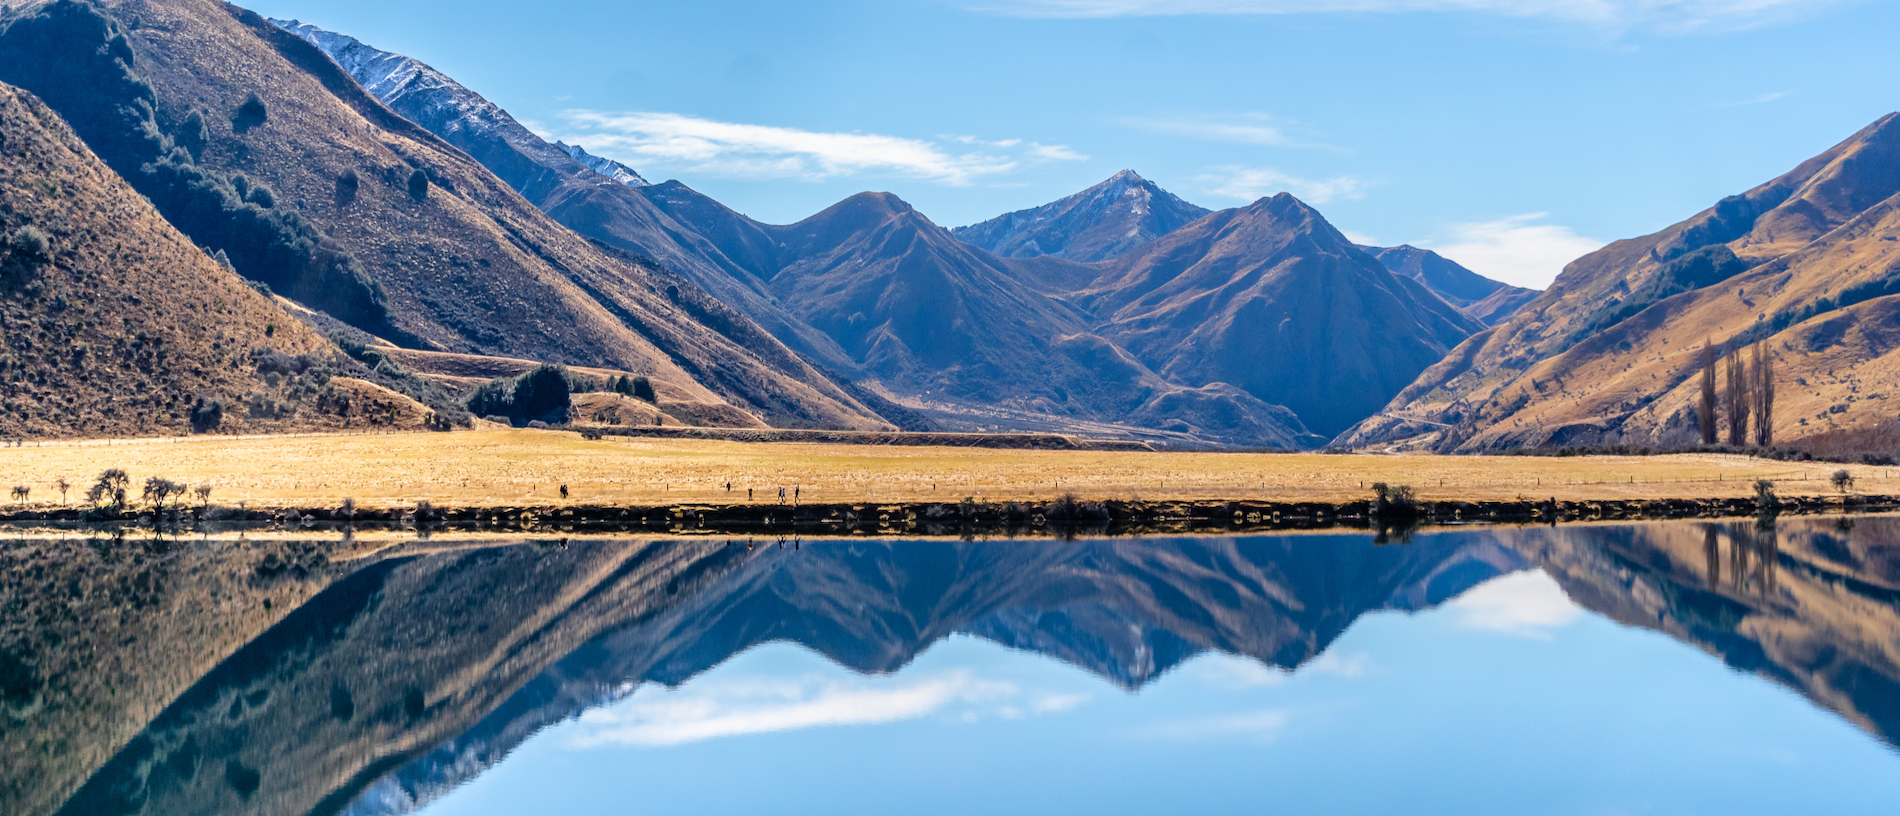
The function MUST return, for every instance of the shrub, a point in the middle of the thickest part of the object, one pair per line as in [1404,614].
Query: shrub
[193,135]
[249,115]
[206,416]
[347,186]
[110,489]
[418,185]
[30,244]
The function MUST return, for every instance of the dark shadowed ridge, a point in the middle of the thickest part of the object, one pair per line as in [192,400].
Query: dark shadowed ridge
[584,193]
[115,324]
[1484,299]
[1274,300]
[466,264]
[1113,217]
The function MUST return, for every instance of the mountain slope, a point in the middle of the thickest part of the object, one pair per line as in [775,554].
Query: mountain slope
[1274,300]
[595,197]
[930,315]
[115,324]
[1610,353]
[1484,299]
[1102,222]
[489,275]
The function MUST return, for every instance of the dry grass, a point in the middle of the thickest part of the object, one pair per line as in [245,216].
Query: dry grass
[512,467]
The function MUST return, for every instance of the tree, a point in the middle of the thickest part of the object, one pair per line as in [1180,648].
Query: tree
[418,185]
[204,495]
[110,489]
[1762,390]
[1738,399]
[1705,409]
[1843,481]
[64,486]
[193,135]
[20,492]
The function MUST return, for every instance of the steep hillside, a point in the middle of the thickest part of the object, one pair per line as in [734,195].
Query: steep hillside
[1102,222]
[1611,352]
[1484,299]
[595,197]
[455,259]
[1274,300]
[116,325]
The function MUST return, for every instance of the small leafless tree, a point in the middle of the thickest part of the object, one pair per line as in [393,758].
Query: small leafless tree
[1843,481]
[20,492]
[204,495]
[64,487]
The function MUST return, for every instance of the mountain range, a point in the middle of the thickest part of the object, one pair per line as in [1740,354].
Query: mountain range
[875,292]
[365,188]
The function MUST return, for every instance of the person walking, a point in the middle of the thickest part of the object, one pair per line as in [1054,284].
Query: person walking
[563,492]
[781,495]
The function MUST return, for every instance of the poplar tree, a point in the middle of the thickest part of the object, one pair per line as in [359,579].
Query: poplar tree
[1738,399]
[1762,367]
[1705,410]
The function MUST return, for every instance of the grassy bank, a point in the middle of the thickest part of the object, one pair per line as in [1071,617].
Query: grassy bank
[526,467]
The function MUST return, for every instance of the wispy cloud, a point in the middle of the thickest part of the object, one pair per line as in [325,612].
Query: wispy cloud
[1253,183]
[677,142]
[658,717]
[1253,726]
[1515,250]
[1207,130]
[1759,100]
[1667,16]
[1527,604]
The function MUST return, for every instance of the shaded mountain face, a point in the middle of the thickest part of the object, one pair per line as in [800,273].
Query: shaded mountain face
[1484,299]
[593,196]
[117,325]
[1611,352]
[1102,222]
[354,185]
[1272,299]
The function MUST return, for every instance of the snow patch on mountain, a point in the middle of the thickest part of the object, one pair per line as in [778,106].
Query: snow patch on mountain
[428,97]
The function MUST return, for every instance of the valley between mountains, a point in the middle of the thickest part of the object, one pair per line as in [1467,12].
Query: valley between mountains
[406,242]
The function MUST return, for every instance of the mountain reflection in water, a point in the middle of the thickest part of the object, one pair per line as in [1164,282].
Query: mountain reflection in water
[401,675]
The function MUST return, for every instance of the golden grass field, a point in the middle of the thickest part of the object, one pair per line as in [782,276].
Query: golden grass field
[516,467]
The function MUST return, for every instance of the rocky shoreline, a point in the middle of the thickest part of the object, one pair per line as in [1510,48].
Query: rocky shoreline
[969,517]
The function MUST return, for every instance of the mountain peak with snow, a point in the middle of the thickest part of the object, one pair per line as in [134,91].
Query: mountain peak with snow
[1120,214]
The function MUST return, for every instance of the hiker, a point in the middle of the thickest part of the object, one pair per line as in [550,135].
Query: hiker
[781,495]
[748,494]
[563,492]
[795,494]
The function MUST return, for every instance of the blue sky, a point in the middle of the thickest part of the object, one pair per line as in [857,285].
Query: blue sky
[1513,135]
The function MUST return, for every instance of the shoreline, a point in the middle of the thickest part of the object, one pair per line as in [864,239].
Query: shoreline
[968,518]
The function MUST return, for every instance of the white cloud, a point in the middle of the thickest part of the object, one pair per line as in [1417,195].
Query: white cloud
[1515,250]
[676,141]
[1668,16]
[655,716]
[1759,100]
[1254,133]
[1360,238]
[1258,726]
[1055,152]
[1527,604]
[1253,183]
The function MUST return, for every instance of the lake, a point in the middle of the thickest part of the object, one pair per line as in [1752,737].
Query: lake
[1686,667]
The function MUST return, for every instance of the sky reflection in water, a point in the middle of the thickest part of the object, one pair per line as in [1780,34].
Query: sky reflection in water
[1509,699]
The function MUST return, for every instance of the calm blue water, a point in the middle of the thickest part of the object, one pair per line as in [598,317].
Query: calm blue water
[1519,702]
[1670,668]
